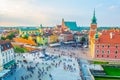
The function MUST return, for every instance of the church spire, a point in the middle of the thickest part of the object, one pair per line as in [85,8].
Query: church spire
[94,20]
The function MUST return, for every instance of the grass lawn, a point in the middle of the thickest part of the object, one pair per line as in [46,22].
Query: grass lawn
[105,79]
[18,49]
[100,62]
[112,71]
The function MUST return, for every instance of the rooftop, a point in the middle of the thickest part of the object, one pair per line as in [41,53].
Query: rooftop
[109,36]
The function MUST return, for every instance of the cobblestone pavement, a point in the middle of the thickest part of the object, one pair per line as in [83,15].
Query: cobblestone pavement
[32,67]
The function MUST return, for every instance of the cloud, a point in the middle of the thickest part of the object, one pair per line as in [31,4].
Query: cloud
[99,5]
[113,7]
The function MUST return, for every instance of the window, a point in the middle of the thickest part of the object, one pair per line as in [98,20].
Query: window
[6,53]
[8,45]
[9,51]
[6,59]
[108,51]
[3,61]
[108,45]
[2,54]
[97,51]
[107,55]
[102,56]
[116,52]
[9,58]
[103,51]
[97,55]
[116,46]
[2,47]
[13,57]
[102,46]
[98,45]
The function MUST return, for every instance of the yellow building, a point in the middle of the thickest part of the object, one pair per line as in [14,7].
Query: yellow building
[53,38]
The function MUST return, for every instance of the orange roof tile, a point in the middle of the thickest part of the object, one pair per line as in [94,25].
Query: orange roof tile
[25,41]
[109,36]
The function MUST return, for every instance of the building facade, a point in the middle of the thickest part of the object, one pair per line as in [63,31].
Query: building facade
[107,45]
[7,58]
[104,44]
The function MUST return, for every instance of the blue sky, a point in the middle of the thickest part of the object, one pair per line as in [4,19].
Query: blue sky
[51,12]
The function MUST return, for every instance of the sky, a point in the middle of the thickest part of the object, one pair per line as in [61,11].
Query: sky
[51,12]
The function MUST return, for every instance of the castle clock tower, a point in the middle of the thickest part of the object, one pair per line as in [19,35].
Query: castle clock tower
[92,36]
[93,25]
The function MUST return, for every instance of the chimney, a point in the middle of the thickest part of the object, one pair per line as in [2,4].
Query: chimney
[111,35]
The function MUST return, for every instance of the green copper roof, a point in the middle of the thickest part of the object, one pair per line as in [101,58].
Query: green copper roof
[94,20]
[96,35]
[71,25]
[7,65]
[28,29]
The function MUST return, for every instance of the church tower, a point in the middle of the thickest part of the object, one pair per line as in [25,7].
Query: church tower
[93,25]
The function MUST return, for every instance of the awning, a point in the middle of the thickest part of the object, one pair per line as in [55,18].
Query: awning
[7,65]
[3,72]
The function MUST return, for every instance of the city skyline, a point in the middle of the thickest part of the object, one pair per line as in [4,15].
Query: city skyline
[50,13]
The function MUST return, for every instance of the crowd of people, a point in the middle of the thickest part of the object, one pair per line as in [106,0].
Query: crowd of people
[75,52]
[37,68]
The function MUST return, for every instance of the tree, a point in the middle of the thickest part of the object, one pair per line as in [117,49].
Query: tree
[18,49]
[11,36]
[83,40]
[3,38]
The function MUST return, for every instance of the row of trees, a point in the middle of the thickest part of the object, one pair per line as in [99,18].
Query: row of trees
[9,37]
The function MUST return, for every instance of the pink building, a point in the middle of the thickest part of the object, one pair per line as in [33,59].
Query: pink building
[107,45]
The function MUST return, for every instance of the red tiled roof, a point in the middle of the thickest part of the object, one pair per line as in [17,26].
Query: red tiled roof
[25,41]
[114,38]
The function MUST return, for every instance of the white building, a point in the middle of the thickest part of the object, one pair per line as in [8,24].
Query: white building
[6,55]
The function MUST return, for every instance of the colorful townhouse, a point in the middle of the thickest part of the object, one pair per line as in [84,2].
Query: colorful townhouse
[53,38]
[104,44]
[65,37]
[7,59]
[78,36]
[42,40]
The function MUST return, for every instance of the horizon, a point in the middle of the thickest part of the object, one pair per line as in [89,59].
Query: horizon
[50,13]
